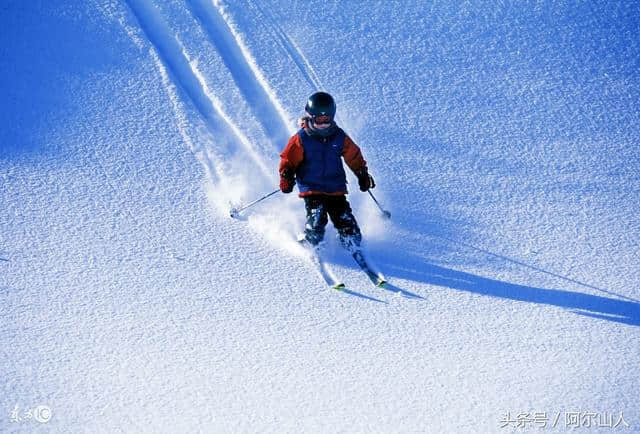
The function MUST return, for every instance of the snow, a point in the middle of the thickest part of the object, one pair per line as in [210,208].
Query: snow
[503,139]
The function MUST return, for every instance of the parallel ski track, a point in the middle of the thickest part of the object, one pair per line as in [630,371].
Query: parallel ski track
[187,77]
[290,47]
[178,70]
[244,70]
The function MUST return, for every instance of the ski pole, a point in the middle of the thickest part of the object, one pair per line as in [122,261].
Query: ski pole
[385,213]
[234,212]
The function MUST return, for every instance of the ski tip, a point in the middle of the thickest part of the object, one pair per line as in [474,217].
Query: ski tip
[381,283]
[338,286]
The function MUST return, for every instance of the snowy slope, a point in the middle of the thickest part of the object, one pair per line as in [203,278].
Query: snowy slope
[503,139]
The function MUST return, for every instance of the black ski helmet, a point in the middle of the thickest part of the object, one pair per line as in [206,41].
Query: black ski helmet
[321,104]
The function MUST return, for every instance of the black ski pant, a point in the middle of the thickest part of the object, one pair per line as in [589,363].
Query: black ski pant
[338,209]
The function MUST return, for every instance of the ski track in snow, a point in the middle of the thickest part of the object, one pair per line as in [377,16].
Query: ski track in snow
[172,60]
[245,359]
[251,83]
[246,74]
[252,86]
[290,47]
[185,72]
[211,165]
[292,50]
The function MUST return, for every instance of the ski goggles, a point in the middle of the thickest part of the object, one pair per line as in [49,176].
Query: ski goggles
[322,119]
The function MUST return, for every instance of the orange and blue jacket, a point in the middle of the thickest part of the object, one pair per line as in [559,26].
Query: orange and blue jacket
[317,162]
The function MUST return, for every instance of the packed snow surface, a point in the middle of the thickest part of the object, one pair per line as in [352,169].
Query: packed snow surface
[504,140]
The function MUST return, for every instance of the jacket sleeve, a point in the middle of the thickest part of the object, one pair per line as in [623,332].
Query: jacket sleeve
[292,155]
[353,156]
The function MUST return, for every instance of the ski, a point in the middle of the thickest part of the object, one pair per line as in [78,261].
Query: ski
[376,277]
[322,267]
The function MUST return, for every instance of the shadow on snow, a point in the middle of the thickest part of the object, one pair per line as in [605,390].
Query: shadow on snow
[415,268]
[357,294]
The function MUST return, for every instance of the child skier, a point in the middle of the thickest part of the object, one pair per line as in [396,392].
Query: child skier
[312,158]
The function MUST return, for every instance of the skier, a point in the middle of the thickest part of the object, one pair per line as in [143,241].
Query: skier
[313,160]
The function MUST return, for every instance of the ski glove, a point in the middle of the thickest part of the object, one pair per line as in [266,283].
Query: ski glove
[365,181]
[287,181]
